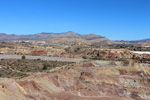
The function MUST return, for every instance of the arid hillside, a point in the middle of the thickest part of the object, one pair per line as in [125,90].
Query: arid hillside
[19,68]
[97,80]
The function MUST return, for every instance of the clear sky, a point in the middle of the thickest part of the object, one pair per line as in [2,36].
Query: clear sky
[115,19]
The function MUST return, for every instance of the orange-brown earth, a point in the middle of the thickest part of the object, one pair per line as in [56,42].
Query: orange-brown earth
[96,80]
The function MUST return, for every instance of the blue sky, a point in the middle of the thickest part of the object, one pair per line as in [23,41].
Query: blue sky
[115,19]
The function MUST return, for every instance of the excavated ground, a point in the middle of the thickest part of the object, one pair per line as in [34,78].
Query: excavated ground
[96,80]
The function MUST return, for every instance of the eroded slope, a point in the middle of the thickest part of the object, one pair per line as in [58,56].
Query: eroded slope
[97,80]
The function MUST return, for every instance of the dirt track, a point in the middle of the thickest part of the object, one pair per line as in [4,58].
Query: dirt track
[40,57]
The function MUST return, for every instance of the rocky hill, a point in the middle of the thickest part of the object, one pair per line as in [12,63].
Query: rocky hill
[41,36]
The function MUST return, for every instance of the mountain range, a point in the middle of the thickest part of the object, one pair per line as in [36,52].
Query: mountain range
[69,34]
[143,40]
[44,35]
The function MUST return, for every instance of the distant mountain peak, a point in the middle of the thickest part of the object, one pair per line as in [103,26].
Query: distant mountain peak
[70,32]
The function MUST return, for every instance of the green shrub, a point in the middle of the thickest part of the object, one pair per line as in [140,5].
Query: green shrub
[23,57]
[21,75]
[44,67]
[84,57]
[38,59]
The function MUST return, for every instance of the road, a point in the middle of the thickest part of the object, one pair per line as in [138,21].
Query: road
[48,58]
[41,57]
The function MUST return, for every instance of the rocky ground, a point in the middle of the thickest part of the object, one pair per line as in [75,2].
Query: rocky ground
[96,80]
